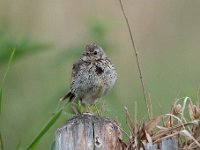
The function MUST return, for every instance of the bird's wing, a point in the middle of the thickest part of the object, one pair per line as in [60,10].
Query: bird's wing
[76,68]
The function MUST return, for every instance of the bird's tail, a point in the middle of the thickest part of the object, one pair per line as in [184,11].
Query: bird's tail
[69,95]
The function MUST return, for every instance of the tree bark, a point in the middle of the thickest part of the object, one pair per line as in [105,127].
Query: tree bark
[88,132]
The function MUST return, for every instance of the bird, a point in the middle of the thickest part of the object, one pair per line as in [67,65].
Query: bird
[92,77]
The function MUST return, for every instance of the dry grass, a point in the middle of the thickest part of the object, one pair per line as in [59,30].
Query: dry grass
[174,124]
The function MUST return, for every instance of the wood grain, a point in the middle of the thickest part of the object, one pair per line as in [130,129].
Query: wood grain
[88,132]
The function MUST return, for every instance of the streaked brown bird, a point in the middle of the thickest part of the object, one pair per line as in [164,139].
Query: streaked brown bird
[93,75]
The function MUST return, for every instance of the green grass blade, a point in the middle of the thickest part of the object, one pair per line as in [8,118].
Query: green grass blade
[1,142]
[46,127]
[8,66]
[4,77]
[1,97]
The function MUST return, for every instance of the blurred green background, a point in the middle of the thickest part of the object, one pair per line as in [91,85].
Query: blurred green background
[49,37]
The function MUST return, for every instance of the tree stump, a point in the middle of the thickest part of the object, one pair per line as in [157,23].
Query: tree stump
[89,132]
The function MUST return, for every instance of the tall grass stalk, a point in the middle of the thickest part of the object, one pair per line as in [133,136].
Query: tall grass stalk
[137,60]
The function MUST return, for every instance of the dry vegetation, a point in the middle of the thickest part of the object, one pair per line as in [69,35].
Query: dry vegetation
[172,125]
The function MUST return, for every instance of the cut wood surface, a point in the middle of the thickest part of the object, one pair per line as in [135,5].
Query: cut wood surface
[88,132]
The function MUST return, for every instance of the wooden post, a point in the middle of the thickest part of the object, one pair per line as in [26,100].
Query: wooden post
[89,132]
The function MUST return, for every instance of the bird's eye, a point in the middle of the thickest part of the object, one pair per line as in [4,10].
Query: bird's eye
[95,52]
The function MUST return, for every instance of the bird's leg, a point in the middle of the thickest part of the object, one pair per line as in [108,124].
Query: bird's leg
[81,104]
[97,109]
[81,101]
[88,110]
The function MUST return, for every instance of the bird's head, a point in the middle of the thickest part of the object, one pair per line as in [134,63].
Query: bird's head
[93,52]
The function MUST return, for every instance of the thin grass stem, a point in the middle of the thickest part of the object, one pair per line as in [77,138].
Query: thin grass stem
[137,59]
[1,142]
